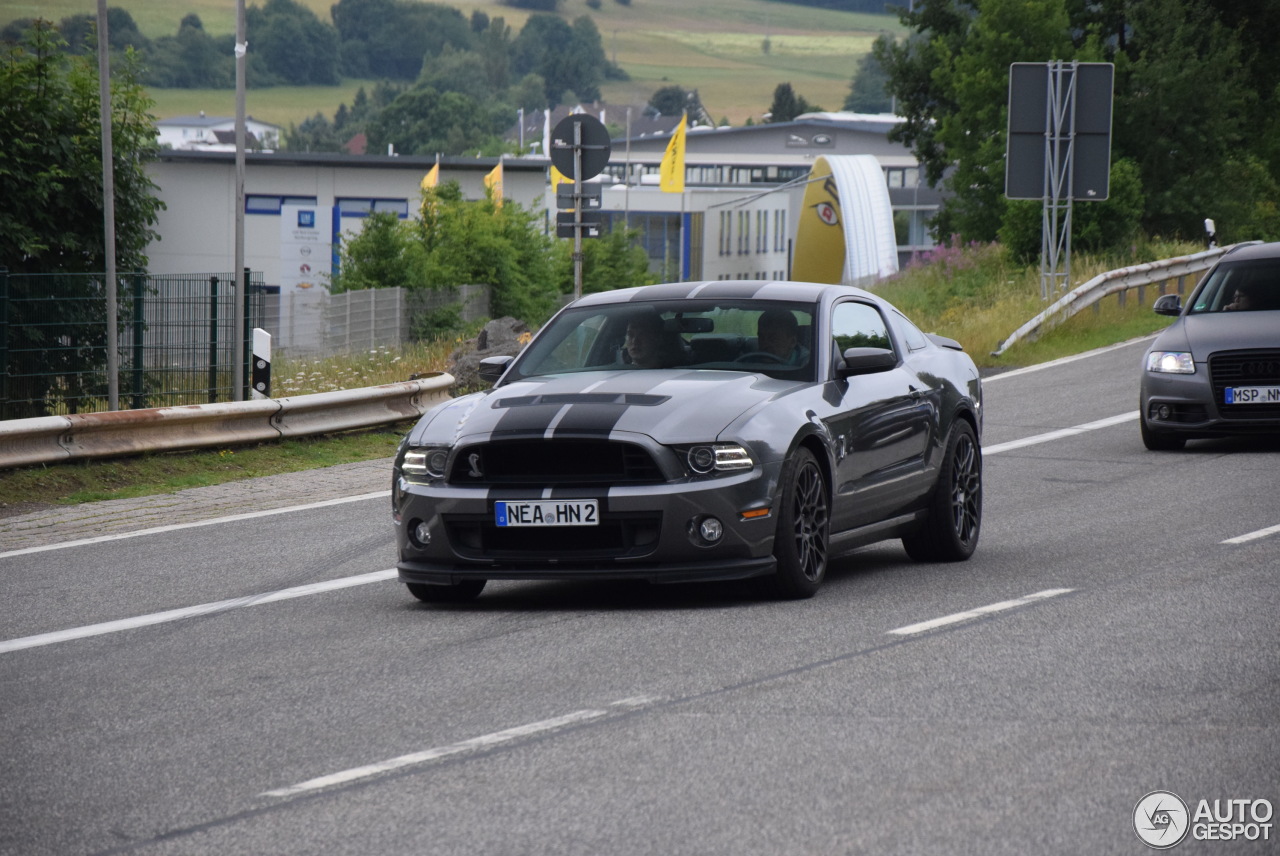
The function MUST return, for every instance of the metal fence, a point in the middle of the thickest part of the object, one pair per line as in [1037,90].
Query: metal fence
[176,340]
[314,323]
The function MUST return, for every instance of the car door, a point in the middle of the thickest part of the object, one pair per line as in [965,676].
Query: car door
[881,424]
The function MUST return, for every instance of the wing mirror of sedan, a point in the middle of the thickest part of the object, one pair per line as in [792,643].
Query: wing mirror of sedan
[1168,304]
[491,368]
[860,361]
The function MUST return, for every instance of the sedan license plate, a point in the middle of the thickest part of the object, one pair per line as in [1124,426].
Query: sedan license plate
[1253,395]
[547,512]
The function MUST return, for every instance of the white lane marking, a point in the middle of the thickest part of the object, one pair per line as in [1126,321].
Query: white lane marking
[192,611]
[155,530]
[484,741]
[1064,360]
[1059,434]
[1253,536]
[977,613]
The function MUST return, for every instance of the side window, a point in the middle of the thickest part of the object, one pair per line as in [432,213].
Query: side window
[911,333]
[859,325]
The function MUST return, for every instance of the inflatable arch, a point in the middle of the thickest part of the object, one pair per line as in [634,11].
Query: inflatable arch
[845,229]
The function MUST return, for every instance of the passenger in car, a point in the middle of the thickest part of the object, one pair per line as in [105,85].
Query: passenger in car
[777,334]
[648,346]
[1246,297]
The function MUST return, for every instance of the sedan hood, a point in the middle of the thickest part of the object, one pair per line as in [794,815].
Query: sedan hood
[1221,331]
[670,406]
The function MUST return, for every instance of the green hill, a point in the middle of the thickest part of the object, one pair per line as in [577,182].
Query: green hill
[734,52]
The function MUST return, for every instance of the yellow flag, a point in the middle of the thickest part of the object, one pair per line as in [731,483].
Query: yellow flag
[432,178]
[493,182]
[556,178]
[671,171]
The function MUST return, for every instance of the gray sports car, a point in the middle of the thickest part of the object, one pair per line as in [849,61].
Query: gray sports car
[1216,370]
[696,431]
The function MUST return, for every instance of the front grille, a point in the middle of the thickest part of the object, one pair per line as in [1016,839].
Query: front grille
[549,463]
[1259,367]
[616,536]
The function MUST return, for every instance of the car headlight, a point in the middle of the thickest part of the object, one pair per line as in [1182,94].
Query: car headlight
[424,464]
[1171,362]
[708,458]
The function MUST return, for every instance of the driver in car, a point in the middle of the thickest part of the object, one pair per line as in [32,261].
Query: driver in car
[777,334]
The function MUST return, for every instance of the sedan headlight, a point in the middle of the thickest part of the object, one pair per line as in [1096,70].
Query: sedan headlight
[716,458]
[1171,362]
[422,464]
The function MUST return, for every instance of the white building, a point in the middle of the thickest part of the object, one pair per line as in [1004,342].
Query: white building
[216,133]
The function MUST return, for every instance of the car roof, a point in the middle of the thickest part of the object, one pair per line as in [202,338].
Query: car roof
[1249,252]
[732,289]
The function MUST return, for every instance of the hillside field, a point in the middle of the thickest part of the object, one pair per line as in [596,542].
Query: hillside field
[714,46]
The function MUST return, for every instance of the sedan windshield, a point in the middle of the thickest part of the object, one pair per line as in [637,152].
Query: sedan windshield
[773,338]
[1240,287]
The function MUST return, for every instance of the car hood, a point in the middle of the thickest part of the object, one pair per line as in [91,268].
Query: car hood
[1209,333]
[669,406]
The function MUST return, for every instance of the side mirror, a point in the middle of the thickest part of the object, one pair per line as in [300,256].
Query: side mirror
[860,361]
[1168,304]
[492,368]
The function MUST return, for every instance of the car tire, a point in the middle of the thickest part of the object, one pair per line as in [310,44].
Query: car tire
[804,522]
[950,533]
[455,593]
[1159,441]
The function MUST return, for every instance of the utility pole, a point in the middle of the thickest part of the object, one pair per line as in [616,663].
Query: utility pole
[108,209]
[241,49]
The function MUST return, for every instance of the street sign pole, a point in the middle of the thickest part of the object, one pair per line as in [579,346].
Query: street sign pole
[577,210]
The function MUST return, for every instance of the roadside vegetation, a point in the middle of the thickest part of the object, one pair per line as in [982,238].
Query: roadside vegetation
[973,293]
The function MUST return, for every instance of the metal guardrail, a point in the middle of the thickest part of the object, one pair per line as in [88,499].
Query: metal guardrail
[52,439]
[1115,282]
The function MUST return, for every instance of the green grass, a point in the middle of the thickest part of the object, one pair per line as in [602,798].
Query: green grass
[279,105]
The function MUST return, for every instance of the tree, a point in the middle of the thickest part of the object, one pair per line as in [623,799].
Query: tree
[296,47]
[868,92]
[424,121]
[189,60]
[787,104]
[51,183]
[390,38]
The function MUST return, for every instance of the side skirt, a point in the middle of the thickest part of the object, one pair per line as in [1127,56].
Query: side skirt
[894,527]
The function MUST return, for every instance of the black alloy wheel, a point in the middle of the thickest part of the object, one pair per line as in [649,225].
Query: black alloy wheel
[950,534]
[804,520]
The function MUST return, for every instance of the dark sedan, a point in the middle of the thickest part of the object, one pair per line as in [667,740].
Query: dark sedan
[696,431]
[1216,370]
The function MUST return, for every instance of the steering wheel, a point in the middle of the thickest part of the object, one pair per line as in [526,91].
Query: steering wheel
[756,356]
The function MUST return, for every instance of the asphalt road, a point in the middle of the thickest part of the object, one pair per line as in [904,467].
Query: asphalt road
[1130,645]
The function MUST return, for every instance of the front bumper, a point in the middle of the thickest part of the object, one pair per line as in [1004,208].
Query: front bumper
[646,532]
[1187,405]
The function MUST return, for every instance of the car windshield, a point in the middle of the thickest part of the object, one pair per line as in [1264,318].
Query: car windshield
[1243,286]
[770,337]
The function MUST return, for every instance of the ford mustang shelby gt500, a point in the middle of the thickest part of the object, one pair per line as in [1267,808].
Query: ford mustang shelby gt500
[696,431]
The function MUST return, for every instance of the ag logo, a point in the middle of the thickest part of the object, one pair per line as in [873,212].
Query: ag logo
[1161,819]
[827,213]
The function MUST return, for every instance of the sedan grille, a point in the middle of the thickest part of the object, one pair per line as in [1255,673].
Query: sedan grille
[1245,368]
[549,463]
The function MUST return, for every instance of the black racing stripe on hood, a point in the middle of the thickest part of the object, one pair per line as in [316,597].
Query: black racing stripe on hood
[530,419]
[597,418]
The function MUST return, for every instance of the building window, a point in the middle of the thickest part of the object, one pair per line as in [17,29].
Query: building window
[262,203]
[363,207]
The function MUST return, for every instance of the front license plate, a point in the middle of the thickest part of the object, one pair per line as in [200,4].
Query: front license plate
[547,512]
[1253,395]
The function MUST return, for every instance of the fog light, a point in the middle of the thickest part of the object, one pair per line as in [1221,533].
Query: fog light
[1163,413]
[420,532]
[710,529]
